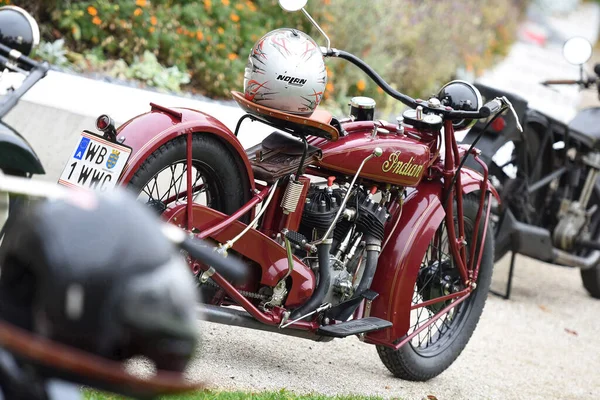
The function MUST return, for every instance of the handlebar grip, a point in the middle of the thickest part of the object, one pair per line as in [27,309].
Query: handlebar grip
[229,267]
[597,69]
[491,107]
[561,82]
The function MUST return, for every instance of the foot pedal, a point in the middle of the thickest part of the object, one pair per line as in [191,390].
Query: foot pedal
[296,238]
[354,327]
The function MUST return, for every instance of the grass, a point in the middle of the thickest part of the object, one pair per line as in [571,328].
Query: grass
[208,394]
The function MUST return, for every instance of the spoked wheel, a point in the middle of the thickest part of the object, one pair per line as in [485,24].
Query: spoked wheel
[435,348]
[161,181]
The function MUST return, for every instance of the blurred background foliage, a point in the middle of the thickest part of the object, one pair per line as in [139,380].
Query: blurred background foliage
[202,45]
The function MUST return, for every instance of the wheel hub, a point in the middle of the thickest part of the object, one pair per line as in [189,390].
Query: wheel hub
[437,280]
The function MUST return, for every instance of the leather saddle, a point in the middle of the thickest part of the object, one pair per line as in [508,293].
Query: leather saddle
[317,124]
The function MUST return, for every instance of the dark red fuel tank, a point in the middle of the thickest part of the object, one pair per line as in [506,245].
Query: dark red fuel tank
[403,162]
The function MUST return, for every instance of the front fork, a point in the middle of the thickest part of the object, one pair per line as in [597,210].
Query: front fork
[467,267]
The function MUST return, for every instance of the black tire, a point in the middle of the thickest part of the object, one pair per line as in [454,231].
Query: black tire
[591,281]
[14,202]
[227,185]
[412,363]
[591,277]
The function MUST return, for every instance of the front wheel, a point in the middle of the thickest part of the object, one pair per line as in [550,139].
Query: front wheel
[434,349]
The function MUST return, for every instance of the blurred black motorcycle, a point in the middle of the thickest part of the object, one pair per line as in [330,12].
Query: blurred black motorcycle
[87,280]
[549,182]
[19,35]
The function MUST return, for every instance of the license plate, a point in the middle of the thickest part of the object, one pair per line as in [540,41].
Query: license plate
[95,164]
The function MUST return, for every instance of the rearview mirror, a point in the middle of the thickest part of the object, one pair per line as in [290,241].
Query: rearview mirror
[292,5]
[577,50]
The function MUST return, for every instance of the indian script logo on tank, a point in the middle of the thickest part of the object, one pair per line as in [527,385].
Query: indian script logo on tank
[405,168]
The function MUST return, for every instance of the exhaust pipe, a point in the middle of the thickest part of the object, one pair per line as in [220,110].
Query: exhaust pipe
[232,316]
[570,260]
[536,242]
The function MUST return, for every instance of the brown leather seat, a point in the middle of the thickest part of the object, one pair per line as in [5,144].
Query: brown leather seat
[317,124]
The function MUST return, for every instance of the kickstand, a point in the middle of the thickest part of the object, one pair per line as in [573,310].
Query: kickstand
[506,294]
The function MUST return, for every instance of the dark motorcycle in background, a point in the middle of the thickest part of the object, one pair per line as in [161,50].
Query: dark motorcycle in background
[549,182]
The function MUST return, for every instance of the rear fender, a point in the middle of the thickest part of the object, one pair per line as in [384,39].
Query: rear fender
[403,252]
[16,155]
[147,132]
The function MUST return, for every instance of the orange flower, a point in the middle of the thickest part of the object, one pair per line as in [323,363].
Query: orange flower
[153,20]
[239,6]
[199,35]
[92,11]
[179,30]
[138,12]
[96,21]
[232,56]
[379,90]
[225,2]
[329,87]
[207,4]
[220,30]
[361,85]
[234,17]
[140,3]
[151,29]
[251,5]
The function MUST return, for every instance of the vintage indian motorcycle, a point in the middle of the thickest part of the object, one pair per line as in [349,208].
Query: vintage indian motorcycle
[548,180]
[390,245]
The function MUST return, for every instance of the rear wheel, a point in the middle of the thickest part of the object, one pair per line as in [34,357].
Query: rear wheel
[217,180]
[434,349]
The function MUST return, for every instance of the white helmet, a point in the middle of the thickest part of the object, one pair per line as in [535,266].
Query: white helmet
[286,71]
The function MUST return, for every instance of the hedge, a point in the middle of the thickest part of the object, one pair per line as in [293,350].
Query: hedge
[417,45]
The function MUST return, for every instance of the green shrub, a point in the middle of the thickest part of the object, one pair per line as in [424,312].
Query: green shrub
[416,45]
[209,38]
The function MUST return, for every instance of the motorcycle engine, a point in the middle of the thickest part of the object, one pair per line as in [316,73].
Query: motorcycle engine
[363,215]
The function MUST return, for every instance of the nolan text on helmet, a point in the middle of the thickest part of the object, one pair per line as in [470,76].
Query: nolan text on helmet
[292,80]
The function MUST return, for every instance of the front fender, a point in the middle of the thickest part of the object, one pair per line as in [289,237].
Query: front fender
[471,182]
[401,259]
[147,132]
[403,251]
[16,154]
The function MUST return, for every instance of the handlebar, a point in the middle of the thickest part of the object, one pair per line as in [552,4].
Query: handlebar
[447,112]
[33,70]
[18,57]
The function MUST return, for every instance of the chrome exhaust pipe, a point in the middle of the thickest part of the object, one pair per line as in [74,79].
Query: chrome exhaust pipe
[232,316]
[570,260]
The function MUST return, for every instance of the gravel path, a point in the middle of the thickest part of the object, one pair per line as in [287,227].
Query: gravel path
[541,344]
